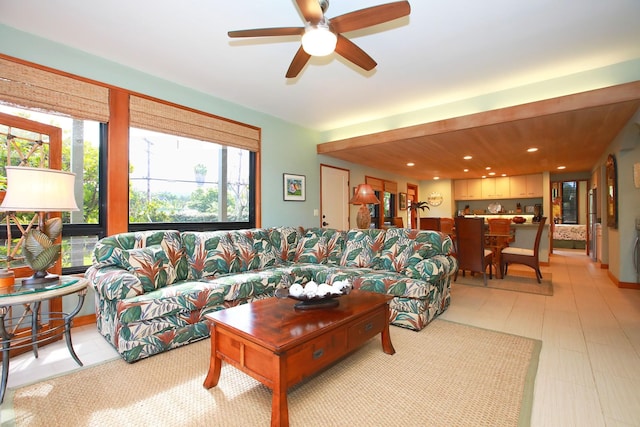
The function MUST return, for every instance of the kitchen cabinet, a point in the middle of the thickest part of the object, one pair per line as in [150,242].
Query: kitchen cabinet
[496,188]
[514,187]
[534,185]
[525,186]
[518,186]
[468,189]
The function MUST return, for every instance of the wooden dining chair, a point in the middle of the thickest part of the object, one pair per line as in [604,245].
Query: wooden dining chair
[397,222]
[524,256]
[499,225]
[470,250]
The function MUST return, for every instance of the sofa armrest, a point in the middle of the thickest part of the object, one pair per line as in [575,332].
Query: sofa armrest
[431,269]
[114,283]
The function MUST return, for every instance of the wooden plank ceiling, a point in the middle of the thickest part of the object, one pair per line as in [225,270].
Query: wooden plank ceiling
[572,131]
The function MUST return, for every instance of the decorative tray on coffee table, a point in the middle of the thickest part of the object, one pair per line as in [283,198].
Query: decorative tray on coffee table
[310,300]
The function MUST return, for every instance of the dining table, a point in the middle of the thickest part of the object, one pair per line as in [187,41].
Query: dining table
[496,242]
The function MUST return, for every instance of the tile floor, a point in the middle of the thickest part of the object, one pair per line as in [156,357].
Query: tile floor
[589,371]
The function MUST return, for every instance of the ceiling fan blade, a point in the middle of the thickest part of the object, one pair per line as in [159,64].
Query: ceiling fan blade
[310,9]
[349,51]
[298,63]
[262,32]
[370,16]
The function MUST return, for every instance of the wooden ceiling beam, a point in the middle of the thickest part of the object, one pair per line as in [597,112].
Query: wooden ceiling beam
[593,98]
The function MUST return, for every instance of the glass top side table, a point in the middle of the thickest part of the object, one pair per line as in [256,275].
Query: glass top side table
[28,300]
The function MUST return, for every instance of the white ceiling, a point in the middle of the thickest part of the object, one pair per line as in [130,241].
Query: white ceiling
[444,51]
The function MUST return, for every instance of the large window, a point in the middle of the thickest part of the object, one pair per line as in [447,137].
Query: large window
[188,169]
[182,180]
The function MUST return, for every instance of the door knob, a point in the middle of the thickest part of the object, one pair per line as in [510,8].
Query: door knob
[325,223]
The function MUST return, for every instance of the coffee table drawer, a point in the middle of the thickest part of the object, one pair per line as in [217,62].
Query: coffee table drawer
[366,329]
[312,356]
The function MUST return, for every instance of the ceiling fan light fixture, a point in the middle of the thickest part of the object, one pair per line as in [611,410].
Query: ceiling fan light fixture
[318,40]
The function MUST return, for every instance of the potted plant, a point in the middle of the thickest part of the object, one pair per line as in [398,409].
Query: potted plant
[421,206]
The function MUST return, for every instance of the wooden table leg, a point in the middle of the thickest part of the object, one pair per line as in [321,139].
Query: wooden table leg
[496,258]
[279,404]
[215,363]
[387,346]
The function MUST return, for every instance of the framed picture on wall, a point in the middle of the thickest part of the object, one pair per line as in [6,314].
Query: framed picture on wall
[294,187]
[402,201]
[612,192]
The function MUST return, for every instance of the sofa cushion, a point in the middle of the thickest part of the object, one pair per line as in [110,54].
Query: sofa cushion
[254,249]
[320,246]
[312,248]
[284,241]
[109,250]
[335,245]
[394,284]
[332,274]
[151,266]
[114,283]
[209,254]
[196,296]
[433,268]
[252,284]
[404,247]
[183,298]
[362,248]
[302,273]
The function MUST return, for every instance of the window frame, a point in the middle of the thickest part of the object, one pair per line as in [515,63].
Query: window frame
[113,170]
[100,229]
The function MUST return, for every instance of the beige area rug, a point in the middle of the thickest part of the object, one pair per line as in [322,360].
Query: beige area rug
[519,281]
[445,375]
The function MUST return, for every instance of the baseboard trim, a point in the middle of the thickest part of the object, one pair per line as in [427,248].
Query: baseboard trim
[88,319]
[623,285]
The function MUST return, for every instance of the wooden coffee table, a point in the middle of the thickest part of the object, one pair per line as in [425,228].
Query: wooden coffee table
[280,346]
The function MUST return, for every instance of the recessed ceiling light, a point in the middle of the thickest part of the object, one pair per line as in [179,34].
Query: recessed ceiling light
[411,164]
[504,174]
[492,173]
[465,170]
[562,167]
[532,150]
[467,157]
[484,176]
[488,168]
[436,178]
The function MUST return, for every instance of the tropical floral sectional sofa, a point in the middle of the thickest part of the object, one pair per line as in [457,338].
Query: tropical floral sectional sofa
[153,288]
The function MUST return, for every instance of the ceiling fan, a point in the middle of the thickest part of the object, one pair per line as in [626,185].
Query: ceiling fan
[321,36]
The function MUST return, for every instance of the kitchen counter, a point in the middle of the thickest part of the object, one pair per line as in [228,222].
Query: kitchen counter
[529,217]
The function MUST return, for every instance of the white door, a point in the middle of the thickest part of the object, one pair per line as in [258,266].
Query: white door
[334,197]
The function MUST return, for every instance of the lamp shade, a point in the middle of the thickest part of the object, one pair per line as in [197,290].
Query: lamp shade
[318,40]
[39,190]
[364,196]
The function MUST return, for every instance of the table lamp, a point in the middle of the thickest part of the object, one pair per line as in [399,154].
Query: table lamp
[364,196]
[38,190]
